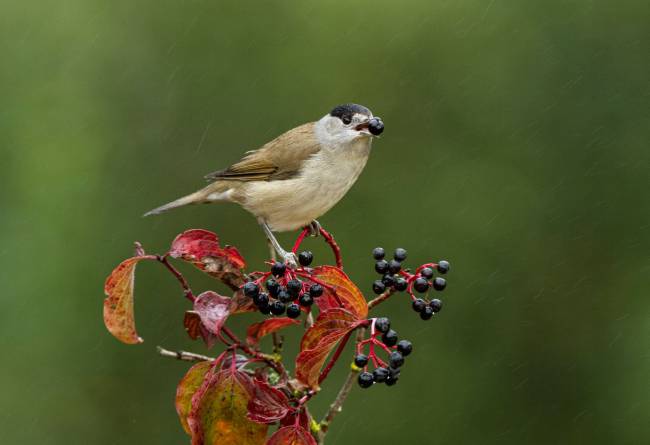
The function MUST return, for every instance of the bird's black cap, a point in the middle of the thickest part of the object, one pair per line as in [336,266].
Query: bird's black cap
[346,111]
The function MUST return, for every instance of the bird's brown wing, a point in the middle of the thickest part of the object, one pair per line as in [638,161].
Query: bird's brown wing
[279,159]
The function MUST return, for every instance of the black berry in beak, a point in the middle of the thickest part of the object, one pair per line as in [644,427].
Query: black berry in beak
[376,126]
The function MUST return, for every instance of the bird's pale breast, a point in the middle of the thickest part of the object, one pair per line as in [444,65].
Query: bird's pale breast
[324,179]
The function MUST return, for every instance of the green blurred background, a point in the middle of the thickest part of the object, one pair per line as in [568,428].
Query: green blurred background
[516,146]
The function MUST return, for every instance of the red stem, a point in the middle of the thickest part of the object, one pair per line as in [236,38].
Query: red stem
[335,247]
[301,237]
[181,279]
[335,357]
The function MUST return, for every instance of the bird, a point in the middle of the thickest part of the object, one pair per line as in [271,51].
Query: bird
[297,177]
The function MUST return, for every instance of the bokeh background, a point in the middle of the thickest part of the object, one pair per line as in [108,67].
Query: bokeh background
[516,147]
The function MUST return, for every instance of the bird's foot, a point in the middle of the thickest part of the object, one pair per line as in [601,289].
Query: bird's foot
[290,259]
[314,228]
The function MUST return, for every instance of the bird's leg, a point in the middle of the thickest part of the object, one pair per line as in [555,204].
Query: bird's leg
[314,228]
[288,257]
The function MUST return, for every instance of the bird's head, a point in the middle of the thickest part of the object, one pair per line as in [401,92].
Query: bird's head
[348,122]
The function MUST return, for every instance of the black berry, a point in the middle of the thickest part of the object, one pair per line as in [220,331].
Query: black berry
[251,289]
[405,347]
[443,266]
[419,304]
[427,273]
[273,287]
[278,269]
[306,300]
[400,254]
[277,307]
[396,359]
[265,309]
[439,283]
[390,381]
[293,311]
[294,287]
[382,324]
[284,296]
[381,267]
[378,287]
[426,313]
[401,284]
[376,126]
[388,280]
[389,338]
[394,266]
[378,253]
[435,305]
[261,299]
[380,374]
[421,285]
[316,290]
[305,258]
[365,380]
[361,360]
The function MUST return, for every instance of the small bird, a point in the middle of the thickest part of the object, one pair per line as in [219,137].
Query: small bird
[298,176]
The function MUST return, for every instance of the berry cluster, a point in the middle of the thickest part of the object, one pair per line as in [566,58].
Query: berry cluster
[383,372]
[396,278]
[280,290]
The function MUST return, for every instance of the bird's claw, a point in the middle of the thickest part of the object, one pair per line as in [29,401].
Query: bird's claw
[314,228]
[291,260]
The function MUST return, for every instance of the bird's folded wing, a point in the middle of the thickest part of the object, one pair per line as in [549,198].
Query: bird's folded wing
[281,158]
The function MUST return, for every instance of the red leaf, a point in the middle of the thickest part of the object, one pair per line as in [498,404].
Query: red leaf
[192,323]
[196,329]
[258,330]
[118,304]
[188,385]
[268,404]
[346,291]
[319,340]
[213,309]
[240,303]
[201,248]
[304,418]
[219,411]
[291,435]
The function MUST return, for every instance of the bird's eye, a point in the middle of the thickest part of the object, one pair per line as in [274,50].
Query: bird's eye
[346,120]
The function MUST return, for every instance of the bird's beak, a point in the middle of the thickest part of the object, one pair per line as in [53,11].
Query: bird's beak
[362,128]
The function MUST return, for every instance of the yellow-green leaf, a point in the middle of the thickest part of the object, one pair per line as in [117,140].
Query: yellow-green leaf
[118,305]
[219,409]
[187,387]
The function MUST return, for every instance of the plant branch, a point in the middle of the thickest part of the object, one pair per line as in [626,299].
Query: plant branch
[381,298]
[268,359]
[181,279]
[335,247]
[337,405]
[183,355]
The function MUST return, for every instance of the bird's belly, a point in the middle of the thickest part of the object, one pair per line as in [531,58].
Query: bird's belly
[293,203]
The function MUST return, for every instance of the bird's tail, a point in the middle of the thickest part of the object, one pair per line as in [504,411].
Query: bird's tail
[194,198]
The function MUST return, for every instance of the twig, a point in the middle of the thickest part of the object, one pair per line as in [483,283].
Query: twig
[335,247]
[183,355]
[181,279]
[309,321]
[383,297]
[337,404]
[300,239]
[268,359]
[277,340]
